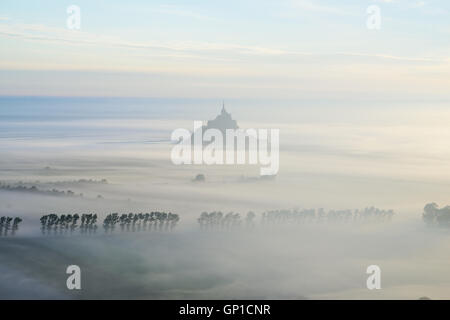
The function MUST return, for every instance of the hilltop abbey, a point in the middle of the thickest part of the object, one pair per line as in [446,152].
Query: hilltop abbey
[222,122]
[221,141]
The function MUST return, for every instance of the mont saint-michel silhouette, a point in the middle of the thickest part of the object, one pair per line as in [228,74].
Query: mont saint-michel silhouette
[222,122]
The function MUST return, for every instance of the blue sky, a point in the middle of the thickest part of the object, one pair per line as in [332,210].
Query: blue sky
[286,48]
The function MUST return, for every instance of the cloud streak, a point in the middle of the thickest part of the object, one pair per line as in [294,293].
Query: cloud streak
[307,5]
[190,49]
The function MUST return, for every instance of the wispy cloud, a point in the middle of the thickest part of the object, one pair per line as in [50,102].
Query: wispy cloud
[210,57]
[189,49]
[181,12]
[34,32]
[426,7]
[398,58]
[308,5]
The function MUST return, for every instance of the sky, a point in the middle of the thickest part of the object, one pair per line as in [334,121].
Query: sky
[235,49]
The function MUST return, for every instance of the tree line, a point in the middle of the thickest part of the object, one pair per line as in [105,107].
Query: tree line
[36,190]
[368,214]
[141,222]
[166,221]
[219,219]
[295,216]
[87,223]
[53,223]
[9,224]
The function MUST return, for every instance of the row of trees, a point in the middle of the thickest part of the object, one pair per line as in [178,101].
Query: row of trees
[320,215]
[87,223]
[141,221]
[34,189]
[53,224]
[8,224]
[219,219]
[69,220]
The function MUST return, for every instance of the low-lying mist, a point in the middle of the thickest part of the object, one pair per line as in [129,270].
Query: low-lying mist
[328,159]
[264,262]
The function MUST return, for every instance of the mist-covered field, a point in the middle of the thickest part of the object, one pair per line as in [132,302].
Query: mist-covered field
[114,156]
